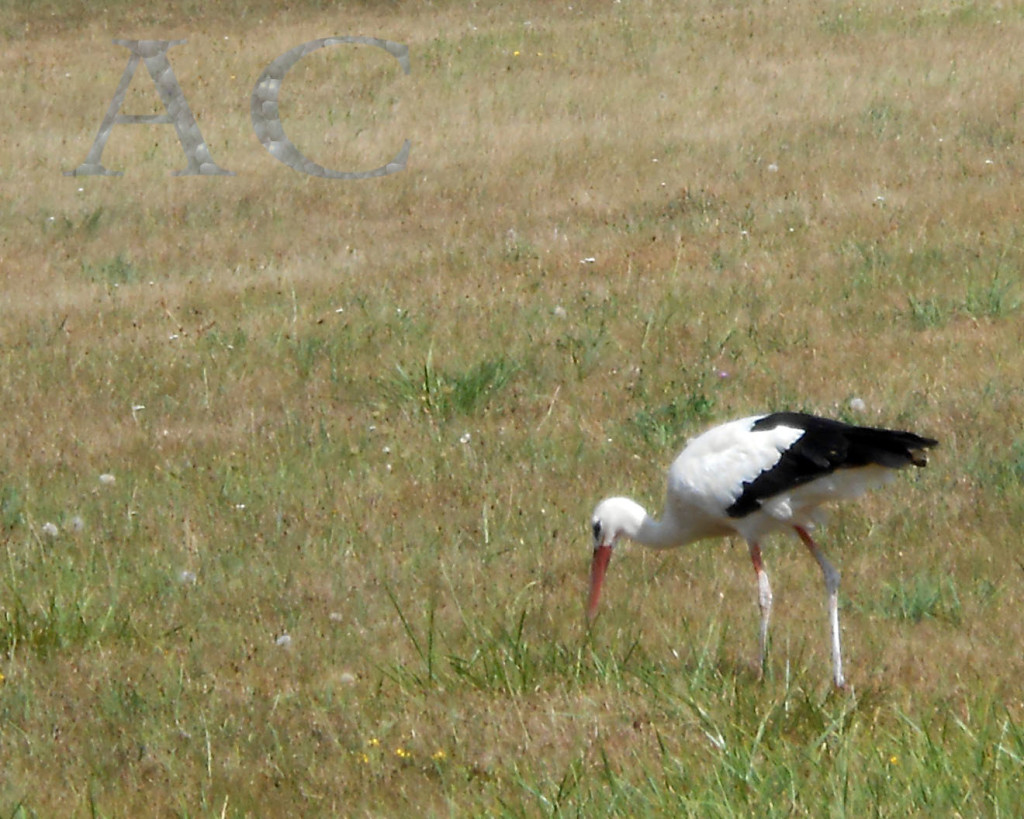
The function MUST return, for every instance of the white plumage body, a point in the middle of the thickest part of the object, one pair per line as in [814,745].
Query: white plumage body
[707,477]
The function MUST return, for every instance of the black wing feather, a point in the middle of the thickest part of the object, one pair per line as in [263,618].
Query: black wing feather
[826,446]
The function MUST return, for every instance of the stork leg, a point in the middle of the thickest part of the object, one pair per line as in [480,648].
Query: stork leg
[764,600]
[831,577]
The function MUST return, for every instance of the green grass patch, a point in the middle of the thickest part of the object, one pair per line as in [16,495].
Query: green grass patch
[445,394]
[925,596]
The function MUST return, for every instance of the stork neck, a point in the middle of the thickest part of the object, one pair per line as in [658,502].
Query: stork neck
[660,534]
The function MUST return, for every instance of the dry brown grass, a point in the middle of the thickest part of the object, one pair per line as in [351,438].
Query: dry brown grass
[822,203]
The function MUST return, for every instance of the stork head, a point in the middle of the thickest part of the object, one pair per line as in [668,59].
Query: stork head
[612,517]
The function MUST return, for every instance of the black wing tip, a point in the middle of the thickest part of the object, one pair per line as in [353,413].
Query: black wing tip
[917,452]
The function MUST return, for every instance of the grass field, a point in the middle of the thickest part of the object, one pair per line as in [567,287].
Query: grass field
[296,473]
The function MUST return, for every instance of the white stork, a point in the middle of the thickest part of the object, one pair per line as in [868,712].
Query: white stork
[755,476]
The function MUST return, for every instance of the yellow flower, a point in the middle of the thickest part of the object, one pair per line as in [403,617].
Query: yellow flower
[438,755]
[373,743]
[402,753]
[894,760]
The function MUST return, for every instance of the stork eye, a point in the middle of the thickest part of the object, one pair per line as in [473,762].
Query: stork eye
[597,530]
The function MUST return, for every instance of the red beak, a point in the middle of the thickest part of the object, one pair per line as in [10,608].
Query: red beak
[598,566]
